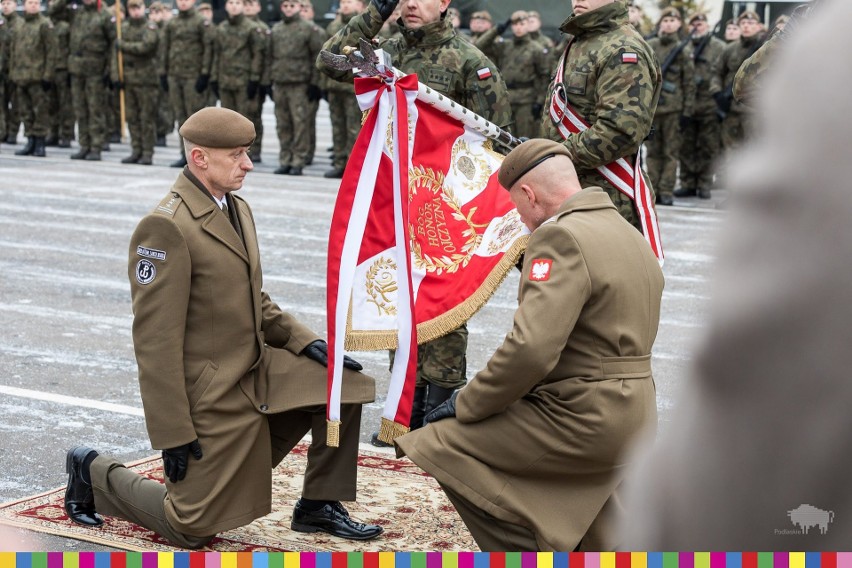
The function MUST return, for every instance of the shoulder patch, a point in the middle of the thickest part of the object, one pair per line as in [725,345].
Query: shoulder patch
[151,253]
[630,57]
[145,271]
[540,269]
[483,73]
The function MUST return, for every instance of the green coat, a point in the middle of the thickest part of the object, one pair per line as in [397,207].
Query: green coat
[705,68]
[541,433]
[293,49]
[139,47]
[32,53]
[729,63]
[187,46]
[441,59]
[238,53]
[678,88]
[524,63]
[92,33]
[216,355]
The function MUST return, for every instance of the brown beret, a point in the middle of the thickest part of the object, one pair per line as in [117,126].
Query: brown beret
[481,15]
[137,3]
[526,156]
[698,16]
[156,6]
[669,13]
[748,15]
[217,127]
[205,6]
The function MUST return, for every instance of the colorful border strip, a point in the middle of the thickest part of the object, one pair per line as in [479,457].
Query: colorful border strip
[425,560]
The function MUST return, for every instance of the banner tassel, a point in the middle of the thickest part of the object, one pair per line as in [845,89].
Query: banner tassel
[332,437]
[390,430]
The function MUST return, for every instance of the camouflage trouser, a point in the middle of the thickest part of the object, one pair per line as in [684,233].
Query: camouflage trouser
[140,103]
[256,109]
[35,109]
[184,100]
[61,109]
[291,119]
[698,151]
[237,99]
[525,124]
[733,131]
[663,151]
[345,124]
[443,361]
[113,119]
[89,96]
[3,110]
[313,108]
[12,106]
[165,114]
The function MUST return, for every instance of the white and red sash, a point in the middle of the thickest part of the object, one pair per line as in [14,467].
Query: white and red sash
[625,178]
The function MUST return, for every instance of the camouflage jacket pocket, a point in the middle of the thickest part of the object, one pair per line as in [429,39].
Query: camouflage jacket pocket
[576,83]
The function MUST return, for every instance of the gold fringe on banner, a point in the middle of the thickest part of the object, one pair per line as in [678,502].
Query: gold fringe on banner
[332,436]
[361,340]
[390,430]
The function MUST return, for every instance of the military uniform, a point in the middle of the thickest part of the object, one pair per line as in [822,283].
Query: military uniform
[257,107]
[12,122]
[343,109]
[294,48]
[748,75]
[734,112]
[675,107]
[187,61]
[455,68]
[238,63]
[700,144]
[612,80]
[61,109]
[31,68]
[525,65]
[535,457]
[139,48]
[165,112]
[319,82]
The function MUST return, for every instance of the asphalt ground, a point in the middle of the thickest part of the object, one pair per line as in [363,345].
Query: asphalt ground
[67,369]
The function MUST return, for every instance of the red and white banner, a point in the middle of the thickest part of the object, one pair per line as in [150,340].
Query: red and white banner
[422,235]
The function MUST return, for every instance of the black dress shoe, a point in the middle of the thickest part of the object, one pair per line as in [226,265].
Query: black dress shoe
[79,499]
[333,519]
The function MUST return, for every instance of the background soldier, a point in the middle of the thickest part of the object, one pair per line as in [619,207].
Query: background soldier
[165,116]
[480,22]
[138,46]
[674,109]
[61,110]
[293,51]
[700,144]
[534,30]
[612,80]
[92,34]
[732,31]
[252,14]
[9,102]
[342,105]
[4,58]
[31,68]
[187,59]
[307,14]
[430,47]
[525,65]
[237,60]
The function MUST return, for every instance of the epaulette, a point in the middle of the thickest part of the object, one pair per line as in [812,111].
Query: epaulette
[169,204]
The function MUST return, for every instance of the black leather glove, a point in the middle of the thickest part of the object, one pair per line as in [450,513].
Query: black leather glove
[46,85]
[385,7]
[201,83]
[251,90]
[685,122]
[107,82]
[318,351]
[537,109]
[214,88]
[503,26]
[446,409]
[164,83]
[117,85]
[314,93]
[176,460]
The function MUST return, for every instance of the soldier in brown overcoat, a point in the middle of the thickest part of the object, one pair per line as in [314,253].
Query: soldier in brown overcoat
[229,382]
[532,451]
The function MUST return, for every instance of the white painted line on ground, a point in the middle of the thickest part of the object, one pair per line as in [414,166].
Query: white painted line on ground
[72,401]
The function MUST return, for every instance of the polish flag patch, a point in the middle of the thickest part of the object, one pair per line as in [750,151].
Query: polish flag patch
[630,58]
[540,269]
[483,73]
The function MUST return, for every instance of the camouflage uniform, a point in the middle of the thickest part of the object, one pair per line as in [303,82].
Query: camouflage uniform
[294,48]
[92,33]
[616,95]
[31,69]
[525,65]
[237,63]
[139,43]
[748,75]
[187,61]
[61,109]
[677,100]
[257,107]
[452,66]
[12,122]
[4,57]
[733,123]
[165,112]
[319,82]
[700,146]
[343,107]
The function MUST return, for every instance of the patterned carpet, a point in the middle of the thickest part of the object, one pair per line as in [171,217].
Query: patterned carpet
[393,493]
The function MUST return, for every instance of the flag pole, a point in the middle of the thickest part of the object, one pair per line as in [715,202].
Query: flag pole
[122,111]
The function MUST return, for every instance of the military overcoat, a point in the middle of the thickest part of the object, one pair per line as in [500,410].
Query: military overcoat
[541,432]
[216,356]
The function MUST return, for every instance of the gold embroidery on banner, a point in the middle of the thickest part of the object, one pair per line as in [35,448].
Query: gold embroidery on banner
[509,227]
[381,282]
[475,169]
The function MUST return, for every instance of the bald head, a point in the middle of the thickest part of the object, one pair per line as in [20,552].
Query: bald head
[539,193]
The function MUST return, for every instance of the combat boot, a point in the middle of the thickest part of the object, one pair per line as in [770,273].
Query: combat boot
[64,143]
[105,147]
[161,142]
[80,154]
[334,173]
[435,397]
[132,158]
[295,171]
[282,170]
[704,193]
[93,156]
[51,140]
[38,149]
[145,161]
[28,148]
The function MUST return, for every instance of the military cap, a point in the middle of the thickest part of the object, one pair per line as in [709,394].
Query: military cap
[137,3]
[697,16]
[519,16]
[481,15]
[217,127]
[205,6]
[748,15]
[525,157]
[670,13]
[156,7]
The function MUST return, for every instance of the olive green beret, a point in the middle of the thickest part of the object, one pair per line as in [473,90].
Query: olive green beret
[217,127]
[748,15]
[669,13]
[527,156]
